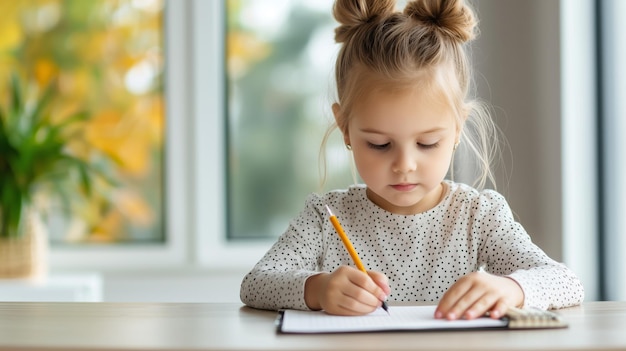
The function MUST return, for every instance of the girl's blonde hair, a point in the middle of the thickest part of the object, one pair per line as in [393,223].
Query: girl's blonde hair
[422,46]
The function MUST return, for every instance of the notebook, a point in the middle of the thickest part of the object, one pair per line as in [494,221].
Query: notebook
[414,318]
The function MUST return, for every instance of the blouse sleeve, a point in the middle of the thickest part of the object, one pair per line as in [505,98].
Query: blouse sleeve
[277,280]
[509,251]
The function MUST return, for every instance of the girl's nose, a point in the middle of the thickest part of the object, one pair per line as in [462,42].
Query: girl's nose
[404,162]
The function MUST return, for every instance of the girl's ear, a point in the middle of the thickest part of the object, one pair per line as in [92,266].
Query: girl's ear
[340,121]
[459,127]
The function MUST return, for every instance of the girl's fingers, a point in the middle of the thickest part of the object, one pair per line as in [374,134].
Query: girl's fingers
[471,298]
[362,294]
[451,297]
[351,292]
[481,306]
[477,293]
[370,292]
[498,310]
[382,281]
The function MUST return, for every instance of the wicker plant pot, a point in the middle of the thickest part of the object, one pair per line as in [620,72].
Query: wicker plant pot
[26,256]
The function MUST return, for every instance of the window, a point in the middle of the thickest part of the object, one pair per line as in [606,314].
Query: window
[279,68]
[105,58]
[277,96]
[169,24]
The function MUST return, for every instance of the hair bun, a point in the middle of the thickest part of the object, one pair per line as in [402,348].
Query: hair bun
[452,18]
[352,14]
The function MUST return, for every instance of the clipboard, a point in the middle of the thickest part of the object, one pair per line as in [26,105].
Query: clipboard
[410,318]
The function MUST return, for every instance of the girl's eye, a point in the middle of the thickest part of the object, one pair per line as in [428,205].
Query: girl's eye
[378,146]
[428,146]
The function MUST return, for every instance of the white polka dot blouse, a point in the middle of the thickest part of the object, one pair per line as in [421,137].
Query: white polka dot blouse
[422,254]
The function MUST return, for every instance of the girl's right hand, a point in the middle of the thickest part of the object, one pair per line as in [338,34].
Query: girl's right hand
[346,291]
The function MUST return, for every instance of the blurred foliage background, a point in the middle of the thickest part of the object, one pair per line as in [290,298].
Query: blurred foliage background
[106,58]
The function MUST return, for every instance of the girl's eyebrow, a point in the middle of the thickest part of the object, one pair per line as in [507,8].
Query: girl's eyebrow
[429,131]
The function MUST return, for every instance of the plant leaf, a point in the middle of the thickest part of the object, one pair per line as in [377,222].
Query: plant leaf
[17,104]
[36,114]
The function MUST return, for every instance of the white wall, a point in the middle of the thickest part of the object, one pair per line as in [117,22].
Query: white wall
[518,55]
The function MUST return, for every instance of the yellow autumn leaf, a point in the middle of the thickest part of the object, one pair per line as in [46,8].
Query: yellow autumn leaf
[45,69]
[133,207]
[149,109]
[106,228]
[62,109]
[75,85]
[94,48]
[124,63]
[10,36]
[135,157]
[101,132]
[10,29]
[7,67]
[124,140]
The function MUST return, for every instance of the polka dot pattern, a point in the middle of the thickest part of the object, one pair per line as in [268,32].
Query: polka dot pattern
[422,254]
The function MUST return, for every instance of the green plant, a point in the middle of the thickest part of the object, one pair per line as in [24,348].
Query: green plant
[34,155]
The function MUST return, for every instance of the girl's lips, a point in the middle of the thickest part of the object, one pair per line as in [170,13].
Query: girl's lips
[403,187]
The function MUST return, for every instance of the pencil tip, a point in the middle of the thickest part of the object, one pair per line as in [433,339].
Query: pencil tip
[385,307]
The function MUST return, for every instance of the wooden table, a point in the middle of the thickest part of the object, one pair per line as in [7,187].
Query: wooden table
[191,326]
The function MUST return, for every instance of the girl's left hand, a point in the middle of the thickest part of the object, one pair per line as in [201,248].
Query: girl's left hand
[478,293]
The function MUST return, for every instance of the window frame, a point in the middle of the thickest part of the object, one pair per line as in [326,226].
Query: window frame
[211,250]
[173,251]
[613,166]
[579,160]
[194,158]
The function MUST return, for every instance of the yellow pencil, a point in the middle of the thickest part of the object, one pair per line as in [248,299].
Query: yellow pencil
[349,247]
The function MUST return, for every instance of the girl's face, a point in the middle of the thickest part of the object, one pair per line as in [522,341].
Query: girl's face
[402,144]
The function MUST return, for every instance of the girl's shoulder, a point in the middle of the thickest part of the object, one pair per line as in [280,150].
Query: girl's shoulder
[341,201]
[465,195]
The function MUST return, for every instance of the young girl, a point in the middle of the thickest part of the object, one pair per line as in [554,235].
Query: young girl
[402,83]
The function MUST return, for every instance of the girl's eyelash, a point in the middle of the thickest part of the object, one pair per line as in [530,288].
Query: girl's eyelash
[429,146]
[384,146]
[377,146]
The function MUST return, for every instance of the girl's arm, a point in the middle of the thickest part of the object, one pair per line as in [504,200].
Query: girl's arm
[509,251]
[277,280]
[520,273]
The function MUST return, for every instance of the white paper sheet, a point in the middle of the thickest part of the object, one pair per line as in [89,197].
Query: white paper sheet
[399,318]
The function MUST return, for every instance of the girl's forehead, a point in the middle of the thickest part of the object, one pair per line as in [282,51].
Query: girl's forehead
[438,83]
[413,108]
[423,92]
[396,98]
